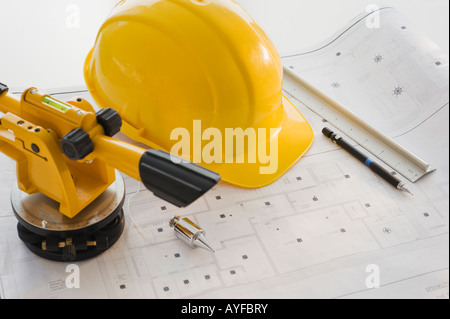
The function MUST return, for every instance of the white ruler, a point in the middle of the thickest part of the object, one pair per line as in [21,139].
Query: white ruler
[377,143]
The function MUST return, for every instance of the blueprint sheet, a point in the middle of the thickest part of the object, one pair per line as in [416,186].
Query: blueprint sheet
[329,228]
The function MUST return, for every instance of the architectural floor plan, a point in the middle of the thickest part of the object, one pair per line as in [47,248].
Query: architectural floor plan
[329,228]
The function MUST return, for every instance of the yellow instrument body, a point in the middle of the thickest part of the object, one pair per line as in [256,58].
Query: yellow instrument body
[30,133]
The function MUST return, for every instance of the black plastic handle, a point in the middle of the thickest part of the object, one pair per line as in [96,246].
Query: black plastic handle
[344,144]
[386,175]
[3,88]
[178,183]
[376,168]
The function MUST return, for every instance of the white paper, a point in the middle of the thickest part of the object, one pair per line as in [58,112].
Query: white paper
[329,228]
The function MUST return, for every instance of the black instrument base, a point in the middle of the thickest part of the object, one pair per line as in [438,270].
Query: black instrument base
[79,249]
[53,236]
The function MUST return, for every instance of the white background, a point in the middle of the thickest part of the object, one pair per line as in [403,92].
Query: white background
[40,46]
[43,45]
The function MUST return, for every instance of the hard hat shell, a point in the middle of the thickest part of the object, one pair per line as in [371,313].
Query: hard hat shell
[163,64]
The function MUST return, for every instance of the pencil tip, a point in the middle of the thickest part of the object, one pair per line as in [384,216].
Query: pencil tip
[407,190]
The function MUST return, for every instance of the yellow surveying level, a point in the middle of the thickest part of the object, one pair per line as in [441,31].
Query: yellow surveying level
[66,172]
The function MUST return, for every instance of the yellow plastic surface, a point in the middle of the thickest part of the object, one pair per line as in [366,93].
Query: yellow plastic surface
[164,63]
[30,133]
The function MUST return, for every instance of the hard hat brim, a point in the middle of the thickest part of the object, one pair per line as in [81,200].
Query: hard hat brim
[295,137]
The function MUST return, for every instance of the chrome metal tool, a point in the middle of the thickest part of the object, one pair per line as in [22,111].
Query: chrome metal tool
[190,233]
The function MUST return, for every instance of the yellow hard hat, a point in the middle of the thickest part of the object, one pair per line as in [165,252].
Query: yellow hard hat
[171,66]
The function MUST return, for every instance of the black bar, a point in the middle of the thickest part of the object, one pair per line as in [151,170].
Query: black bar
[178,183]
[3,88]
